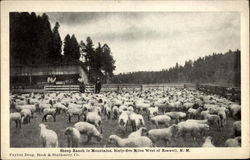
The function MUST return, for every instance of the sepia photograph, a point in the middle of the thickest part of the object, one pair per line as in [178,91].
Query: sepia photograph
[105,80]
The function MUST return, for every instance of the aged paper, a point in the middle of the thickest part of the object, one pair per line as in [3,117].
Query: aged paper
[241,7]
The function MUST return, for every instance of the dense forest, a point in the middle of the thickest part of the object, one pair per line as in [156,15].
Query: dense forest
[33,42]
[223,69]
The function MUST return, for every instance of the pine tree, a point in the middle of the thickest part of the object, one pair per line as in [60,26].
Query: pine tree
[57,45]
[75,48]
[66,47]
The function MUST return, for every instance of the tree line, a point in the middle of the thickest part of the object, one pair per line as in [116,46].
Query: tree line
[33,42]
[218,68]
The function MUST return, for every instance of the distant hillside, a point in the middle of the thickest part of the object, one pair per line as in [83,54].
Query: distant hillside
[217,68]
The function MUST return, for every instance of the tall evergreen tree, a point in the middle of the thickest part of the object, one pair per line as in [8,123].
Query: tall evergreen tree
[75,48]
[57,45]
[107,62]
[66,47]
[46,41]
[89,51]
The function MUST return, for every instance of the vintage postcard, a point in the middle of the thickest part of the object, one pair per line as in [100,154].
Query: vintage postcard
[124,79]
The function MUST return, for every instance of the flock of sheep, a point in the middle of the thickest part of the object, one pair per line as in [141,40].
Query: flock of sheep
[175,114]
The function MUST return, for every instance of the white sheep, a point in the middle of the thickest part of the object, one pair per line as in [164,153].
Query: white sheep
[48,137]
[237,128]
[204,114]
[163,107]
[165,134]
[73,136]
[214,120]
[161,119]
[16,116]
[60,107]
[223,117]
[140,132]
[141,141]
[177,106]
[187,105]
[235,110]
[31,107]
[88,129]
[75,111]
[123,121]
[152,111]
[141,106]
[94,118]
[208,142]
[194,113]
[49,111]
[107,111]
[42,106]
[136,120]
[233,142]
[122,108]
[176,115]
[115,111]
[195,129]
[25,115]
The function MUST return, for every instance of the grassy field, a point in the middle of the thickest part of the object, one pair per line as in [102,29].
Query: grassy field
[28,135]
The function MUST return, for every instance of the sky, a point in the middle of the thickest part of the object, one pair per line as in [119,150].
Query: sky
[152,41]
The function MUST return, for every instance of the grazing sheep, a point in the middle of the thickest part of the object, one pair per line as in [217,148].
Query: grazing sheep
[152,111]
[165,134]
[141,141]
[75,112]
[196,130]
[223,117]
[131,108]
[161,119]
[48,137]
[43,106]
[140,132]
[233,142]
[122,108]
[213,109]
[163,107]
[49,111]
[204,114]
[60,108]
[93,118]
[194,113]
[89,130]
[115,111]
[235,110]
[73,136]
[136,120]
[16,116]
[107,111]
[177,106]
[33,101]
[141,106]
[237,128]
[187,105]
[208,142]
[25,115]
[176,115]
[214,120]
[32,108]
[123,121]
[96,109]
